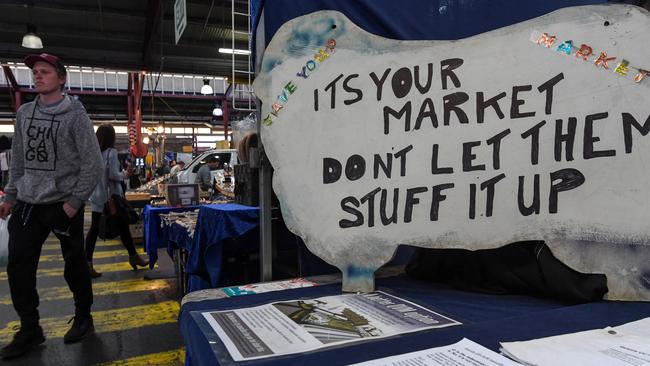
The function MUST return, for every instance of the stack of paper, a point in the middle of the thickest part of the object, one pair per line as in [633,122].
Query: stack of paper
[464,352]
[625,345]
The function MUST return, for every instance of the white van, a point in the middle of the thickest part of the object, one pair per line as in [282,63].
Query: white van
[188,174]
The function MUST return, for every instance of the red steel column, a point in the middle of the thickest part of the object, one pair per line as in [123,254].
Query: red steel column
[18,99]
[13,87]
[138,150]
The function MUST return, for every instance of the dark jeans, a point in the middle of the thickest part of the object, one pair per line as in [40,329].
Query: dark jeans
[91,238]
[29,226]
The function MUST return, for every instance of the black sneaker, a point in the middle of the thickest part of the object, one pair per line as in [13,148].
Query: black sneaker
[24,340]
[81,327]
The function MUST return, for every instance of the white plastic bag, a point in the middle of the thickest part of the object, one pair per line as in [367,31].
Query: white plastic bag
[4,242]
[243,127]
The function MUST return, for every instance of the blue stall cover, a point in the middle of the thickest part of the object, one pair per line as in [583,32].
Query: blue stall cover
[408,20]
[152,221]
[215,224]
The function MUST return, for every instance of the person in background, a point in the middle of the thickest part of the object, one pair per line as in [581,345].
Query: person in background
[148,173]
[203,176]
[123,166]
[134,179]
[127,167]
[55,165]
[106,188]
[162,169]
[177,168]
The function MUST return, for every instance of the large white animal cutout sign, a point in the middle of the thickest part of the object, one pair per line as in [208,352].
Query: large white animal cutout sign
[539,130]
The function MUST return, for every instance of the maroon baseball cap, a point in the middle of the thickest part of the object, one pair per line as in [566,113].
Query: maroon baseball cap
[45,57]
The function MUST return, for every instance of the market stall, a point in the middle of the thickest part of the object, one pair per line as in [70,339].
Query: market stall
[154,235]
[194,237]
[175,212]
[214,225]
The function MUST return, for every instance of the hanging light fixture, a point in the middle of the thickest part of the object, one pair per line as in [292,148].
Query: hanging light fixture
[235,51]
[206,88]
[145,140]
[31,39]
[217,111]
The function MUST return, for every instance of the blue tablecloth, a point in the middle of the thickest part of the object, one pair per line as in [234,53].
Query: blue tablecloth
[487,320]
[154,236]
[215,224]
[177,236]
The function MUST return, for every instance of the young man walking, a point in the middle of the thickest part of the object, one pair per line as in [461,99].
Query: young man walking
[55,166]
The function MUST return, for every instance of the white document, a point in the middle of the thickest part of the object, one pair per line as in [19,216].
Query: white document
[464,352]
[258,288]
[639,328]
[625,345]
[288,327]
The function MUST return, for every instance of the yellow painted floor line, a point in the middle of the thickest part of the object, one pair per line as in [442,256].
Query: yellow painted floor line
[107,320]
[100,244]
[96,255]
[169,358]
[102,268]
[99,289]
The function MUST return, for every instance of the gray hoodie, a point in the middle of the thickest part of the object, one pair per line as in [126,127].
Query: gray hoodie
[55,154]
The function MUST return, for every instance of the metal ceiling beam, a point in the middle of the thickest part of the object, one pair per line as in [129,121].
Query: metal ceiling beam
[225,28]
[183,59]
[18,28]
[202,7]
[151,24]
[11,30]
[108,12]
[146,118]
[9,33]
[101,16]
[76,8]
[126,93]
[207,20]
[73,56]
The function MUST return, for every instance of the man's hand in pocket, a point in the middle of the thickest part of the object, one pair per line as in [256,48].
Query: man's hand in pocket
[5,209]
[69,210]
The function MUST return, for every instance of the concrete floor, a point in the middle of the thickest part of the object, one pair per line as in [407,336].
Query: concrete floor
[135,318]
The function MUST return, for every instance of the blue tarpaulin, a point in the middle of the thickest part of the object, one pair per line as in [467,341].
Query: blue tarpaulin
[216,223]
[409,20]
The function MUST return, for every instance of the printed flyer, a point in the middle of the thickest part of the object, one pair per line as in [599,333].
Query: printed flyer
[464,352]
[288,327]
[258,288]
